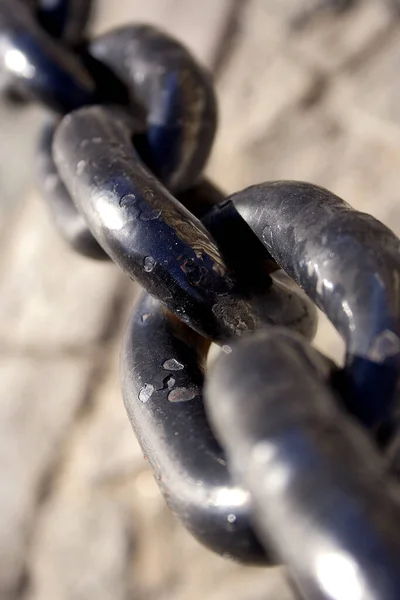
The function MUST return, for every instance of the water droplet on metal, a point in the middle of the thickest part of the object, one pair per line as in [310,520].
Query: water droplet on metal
[146,392]
[173,365]
[149,264]
[182,394]
[170,382]
[149,214]
[227,349]
[385,345]
[127,200]
[80,167]
[231,518]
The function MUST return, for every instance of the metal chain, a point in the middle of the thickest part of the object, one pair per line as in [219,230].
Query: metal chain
[278,455]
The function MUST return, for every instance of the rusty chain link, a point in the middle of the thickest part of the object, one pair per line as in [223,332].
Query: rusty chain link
[277,455]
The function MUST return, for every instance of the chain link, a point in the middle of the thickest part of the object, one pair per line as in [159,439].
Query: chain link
[276,455]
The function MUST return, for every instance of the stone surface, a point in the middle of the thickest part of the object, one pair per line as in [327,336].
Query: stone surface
[300,143]
[17,151]
[366,97]
[328,43]
[259,84]
[83,550]
[39,401]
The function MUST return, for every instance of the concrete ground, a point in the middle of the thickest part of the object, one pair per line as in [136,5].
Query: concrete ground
[80,515]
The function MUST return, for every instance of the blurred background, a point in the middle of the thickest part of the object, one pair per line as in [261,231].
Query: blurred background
[303,95]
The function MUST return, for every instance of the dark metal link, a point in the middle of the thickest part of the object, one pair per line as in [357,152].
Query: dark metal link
[242,251]
[163,364]
[176,95]
[64,19]
[73,227]
[162,370]
[37,66]
[122,178]
[69,222]
[349,265]
[150,235]
[130,213]
[176,99]
[321,497]
[201,198]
